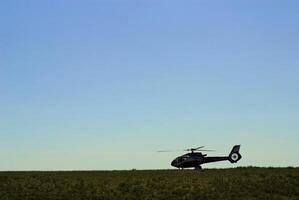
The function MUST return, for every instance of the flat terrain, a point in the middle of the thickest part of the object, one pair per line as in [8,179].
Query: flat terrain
[238,183]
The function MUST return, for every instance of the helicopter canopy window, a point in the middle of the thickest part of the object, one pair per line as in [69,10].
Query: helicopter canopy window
[183,158]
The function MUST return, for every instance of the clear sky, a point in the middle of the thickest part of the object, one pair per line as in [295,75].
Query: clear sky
[104,84]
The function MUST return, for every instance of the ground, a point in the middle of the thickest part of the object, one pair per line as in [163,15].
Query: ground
[238,183]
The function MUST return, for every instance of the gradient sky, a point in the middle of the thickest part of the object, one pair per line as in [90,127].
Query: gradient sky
[104,84]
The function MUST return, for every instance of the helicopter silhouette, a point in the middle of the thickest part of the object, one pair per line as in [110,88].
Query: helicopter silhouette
[196,158]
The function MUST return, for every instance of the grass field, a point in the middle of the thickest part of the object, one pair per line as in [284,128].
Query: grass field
[238,183]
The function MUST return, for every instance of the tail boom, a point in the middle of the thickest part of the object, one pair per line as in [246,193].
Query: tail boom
[233,157]
[215,159]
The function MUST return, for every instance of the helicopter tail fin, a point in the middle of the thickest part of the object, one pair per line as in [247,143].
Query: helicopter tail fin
[234,155]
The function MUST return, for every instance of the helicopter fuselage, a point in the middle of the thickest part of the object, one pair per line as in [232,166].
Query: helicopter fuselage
[196,159]
[188,160]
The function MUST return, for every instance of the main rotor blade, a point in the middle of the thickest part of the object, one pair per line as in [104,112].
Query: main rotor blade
[194,149]
[163,151]
[191,149]
[199,147]
[205,150]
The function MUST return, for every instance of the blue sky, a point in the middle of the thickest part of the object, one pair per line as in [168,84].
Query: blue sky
[105,84]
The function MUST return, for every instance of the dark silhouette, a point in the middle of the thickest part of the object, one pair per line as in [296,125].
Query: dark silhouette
[196,158]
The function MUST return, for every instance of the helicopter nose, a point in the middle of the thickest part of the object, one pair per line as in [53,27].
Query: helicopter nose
[173,163]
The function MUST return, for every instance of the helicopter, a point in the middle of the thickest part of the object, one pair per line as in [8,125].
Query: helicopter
[196,158]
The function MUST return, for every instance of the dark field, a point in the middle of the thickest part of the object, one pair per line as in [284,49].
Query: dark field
[239,183]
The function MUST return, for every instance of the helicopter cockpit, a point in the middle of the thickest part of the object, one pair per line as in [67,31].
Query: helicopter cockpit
[179,160]
[182,158]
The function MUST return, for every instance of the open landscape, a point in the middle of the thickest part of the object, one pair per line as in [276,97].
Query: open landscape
[149,100]
[237,183]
